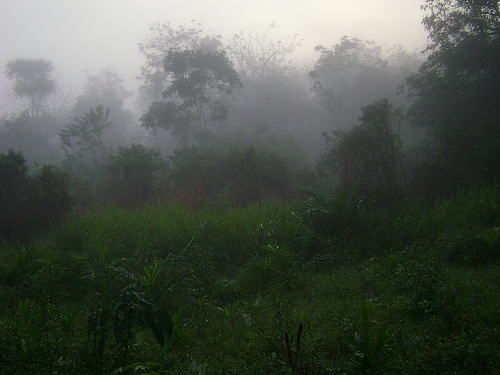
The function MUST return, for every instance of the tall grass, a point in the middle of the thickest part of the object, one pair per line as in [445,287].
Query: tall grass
[230,284]
[156,231]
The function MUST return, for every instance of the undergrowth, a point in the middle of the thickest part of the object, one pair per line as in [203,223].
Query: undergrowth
[337,284]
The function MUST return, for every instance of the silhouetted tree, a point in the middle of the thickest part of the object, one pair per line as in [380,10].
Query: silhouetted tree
[456,93]
[30,203]
[368,153]
[36,137]
[85,133]
[199,82]
[155,48]
[33,82]
[106,89]
[354,73]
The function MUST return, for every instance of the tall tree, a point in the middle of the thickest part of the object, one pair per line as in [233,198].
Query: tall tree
[456,93]
[155,47]
[199,80]
[33,83]
[368,153]
[84,134]
[259,56]
[106,89]
[354,73]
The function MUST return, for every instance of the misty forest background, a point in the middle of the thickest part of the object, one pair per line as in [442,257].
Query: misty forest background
[252,214]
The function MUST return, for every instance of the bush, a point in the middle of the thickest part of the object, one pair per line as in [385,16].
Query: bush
[30,203]
[236,178]
[136,173]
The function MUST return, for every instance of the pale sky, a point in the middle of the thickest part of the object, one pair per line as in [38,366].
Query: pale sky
[93,34]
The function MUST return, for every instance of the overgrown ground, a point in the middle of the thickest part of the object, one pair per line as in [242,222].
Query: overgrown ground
[327,285]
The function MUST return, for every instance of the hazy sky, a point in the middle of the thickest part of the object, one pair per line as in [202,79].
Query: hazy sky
[93,34]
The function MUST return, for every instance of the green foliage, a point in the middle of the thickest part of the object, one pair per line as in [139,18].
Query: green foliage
[199,80]
[455,93]
[239,177]
[33,81]
[198,169]
[50,194]
[370,350]
[136,174]
[368,154]
[169,289]
[13,181]
[30,203]
[329,214]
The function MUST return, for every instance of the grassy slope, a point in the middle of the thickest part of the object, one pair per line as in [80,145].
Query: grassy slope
[407,289]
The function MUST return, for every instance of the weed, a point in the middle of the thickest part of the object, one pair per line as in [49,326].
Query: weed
[370,350]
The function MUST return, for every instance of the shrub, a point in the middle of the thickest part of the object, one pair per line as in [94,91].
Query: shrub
[135,173]
[30,203]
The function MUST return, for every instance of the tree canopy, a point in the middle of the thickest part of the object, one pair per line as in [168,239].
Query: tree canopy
[86,131]
[155,47]
[354,73]
[368,153]
[32,81]
[456,93]
[199,81]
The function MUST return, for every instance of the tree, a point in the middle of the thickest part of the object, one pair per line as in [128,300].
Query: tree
[156,46]
[354,73]
[199,81]
[34,136]
[136,173]
[85,133]
[30,202]
[456,93]
[106,89]
[258,56]
[32,82]
[275,91]
[368,153]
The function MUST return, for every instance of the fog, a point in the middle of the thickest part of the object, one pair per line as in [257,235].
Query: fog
[91,35]
[93,47]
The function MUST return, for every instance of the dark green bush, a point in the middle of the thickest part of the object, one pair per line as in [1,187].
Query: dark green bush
[236,178]
[135,173]
[30,203]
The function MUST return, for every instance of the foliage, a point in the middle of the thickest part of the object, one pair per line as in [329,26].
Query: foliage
[368,154]
[30,203]
[169,289]
[86,132]
[367,349]
[239,176]
[135,173]
[156,46]
[106,89]
[455,93]
[34,136]
[353,73]
[199,79]
[32,81]
[13,180]
[50,194]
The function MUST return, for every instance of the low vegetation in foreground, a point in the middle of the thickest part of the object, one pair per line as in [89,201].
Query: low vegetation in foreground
[329,284]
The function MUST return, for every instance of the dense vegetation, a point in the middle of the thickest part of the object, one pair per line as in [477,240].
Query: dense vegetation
[232,252]
[335,284]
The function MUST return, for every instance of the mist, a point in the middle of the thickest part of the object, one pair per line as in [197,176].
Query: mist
[266,187]
[88,39]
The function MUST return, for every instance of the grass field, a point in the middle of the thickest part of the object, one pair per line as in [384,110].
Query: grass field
[325,285]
